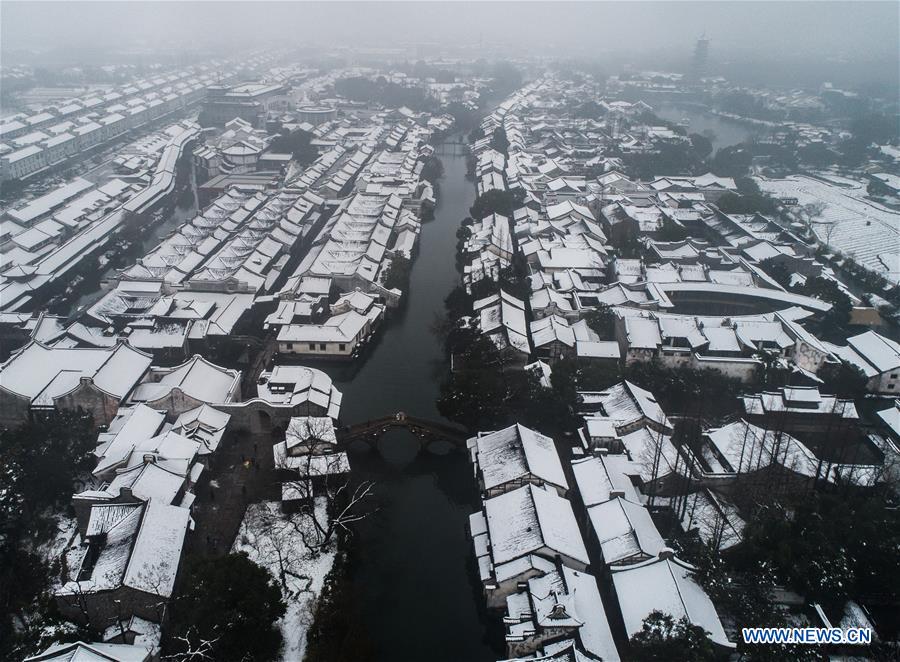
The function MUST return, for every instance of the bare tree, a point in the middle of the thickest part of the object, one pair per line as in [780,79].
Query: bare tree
[196,648]
[330,500]
[272,536]
[344,506]
[155,579]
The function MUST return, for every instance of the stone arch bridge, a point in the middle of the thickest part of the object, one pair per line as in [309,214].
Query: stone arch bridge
[428,432]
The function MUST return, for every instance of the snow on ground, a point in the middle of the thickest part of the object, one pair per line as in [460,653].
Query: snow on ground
[64,538]
[272,539]
[864,230]
[64,542]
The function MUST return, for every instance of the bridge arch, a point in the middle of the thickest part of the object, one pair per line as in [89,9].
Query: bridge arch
[430,434]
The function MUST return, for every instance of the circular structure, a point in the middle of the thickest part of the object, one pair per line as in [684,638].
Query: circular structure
[701,298]
[315,115]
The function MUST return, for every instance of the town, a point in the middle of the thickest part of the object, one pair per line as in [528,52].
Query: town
[418,352]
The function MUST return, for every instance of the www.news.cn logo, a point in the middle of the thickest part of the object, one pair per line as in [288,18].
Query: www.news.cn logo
[810,636]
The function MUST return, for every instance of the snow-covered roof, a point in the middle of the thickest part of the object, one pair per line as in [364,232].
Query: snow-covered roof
[169,448]
[716,521]
[503,316]
[891,417]
[563,599]
[138,546]
[43,373]
[516,452]
[799,400]
[80,651]
[653,453]
[603,477]
[741,447]
[625,531]
[294,385]
[666,585]
[310,429]
[203,424]
[880,352]
[626,404]
[532,519]
[197,378]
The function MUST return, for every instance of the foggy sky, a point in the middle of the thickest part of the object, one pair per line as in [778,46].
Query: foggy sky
[851,30]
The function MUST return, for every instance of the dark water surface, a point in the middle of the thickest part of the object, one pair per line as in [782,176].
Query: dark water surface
[727,132]
[413,576]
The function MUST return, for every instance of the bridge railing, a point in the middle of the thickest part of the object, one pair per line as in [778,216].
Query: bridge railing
[449,433]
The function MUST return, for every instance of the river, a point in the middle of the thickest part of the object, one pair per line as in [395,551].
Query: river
[726,132]
[414,577]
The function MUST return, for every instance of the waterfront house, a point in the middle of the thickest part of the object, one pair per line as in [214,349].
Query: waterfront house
[309,459]
[562,606]
[521,534]
[515,456]
[501,317]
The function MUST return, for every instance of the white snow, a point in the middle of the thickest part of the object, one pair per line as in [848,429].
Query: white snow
[864,230]
[515,452]
[666,585]
[267,535]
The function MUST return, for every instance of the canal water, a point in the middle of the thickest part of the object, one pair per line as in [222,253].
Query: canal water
[91,292]
[413,576]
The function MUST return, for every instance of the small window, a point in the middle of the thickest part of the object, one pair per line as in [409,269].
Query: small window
[342,347]
[289,345]
[891,387]
[322,346]
[312,346]
[893,375]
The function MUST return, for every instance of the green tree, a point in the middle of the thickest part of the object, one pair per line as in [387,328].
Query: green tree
[733,161]
[397,273]
[602,321]
[818,155]
[475,398]
[495,202]
[339,632]
[663,639]
[499,141]
[747,597]
[49,452]
[506,78]
[701,144]
[843,379]
[834,322]
[37,467]
[227,606]
[590,110]
[830,546]
[685,390]
[432,169]
[778,272]
[671,231]
[298,144]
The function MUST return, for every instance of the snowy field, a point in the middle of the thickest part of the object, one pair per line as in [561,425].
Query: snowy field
[276,541]
[861,229]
